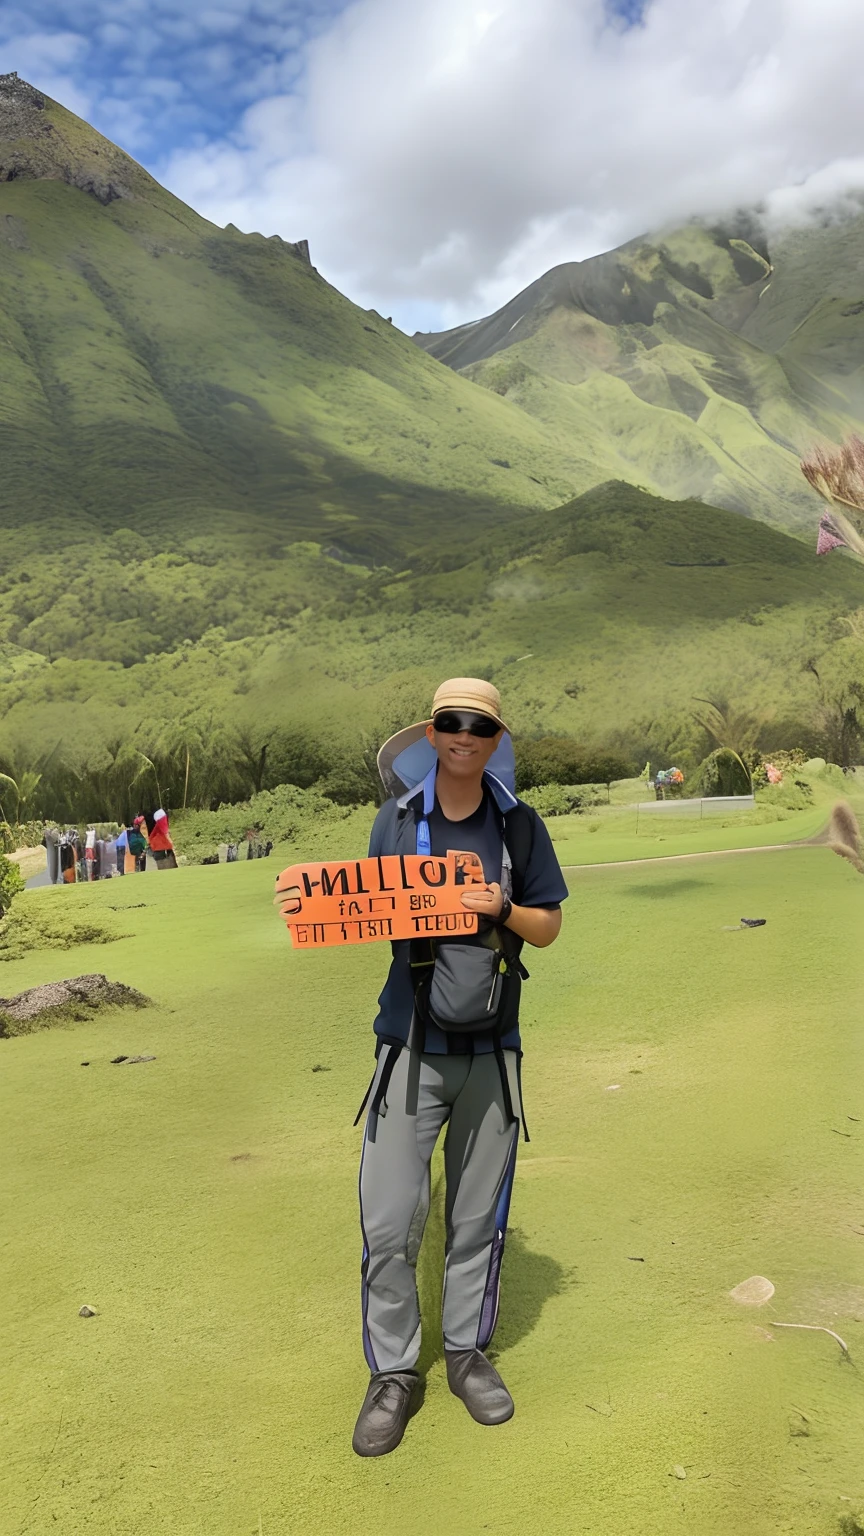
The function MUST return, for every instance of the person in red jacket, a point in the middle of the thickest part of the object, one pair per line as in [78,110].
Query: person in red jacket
[161,845]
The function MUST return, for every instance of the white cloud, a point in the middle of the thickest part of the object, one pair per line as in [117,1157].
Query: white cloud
[442,154]
[835,189]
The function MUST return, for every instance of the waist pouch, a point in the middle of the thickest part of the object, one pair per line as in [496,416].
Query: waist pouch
[464,988]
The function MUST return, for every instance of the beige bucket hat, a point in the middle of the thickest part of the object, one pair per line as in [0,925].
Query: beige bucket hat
[457,693]
[469,693]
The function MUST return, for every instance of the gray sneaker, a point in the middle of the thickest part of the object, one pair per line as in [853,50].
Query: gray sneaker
[471,1377]
[385,1412]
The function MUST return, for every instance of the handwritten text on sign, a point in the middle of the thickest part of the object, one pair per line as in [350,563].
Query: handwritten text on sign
[398,896]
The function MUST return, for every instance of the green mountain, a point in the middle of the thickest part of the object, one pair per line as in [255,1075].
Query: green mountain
[712,359]
[163,375]
[247,524]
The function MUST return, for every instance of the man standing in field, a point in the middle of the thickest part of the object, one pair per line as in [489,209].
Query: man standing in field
[448,1052]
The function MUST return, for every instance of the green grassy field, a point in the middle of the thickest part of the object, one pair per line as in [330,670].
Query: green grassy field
[695,1106]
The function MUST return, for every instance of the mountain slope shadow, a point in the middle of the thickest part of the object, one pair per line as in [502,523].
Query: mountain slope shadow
[528,1281]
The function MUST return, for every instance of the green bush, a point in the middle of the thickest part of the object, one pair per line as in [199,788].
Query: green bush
[564,799]
[11,882]
[791,795]
[721,773]
[560,760]
[789,763]
[278,815]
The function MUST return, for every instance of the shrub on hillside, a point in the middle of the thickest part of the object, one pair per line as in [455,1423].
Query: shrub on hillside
[25,834]
[564,799]
[352,779]
[721,773]
[560,760]
[28,834]
[787,762]
[278,815]
[791,795]
[11,882]
[792,737]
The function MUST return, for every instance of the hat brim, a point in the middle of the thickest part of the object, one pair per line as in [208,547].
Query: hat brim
[396,745]
[391,750]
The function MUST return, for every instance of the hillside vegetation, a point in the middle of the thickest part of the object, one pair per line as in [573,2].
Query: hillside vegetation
[603,621]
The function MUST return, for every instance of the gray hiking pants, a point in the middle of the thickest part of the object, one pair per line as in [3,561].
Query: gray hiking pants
[424,1092]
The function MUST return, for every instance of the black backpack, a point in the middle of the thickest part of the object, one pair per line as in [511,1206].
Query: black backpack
[465,988]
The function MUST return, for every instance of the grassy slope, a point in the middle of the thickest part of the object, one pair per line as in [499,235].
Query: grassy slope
[218,1385]
[663,348]
[161,374]
[615,598]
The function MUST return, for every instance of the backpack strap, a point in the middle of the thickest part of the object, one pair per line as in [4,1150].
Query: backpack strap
[519,827]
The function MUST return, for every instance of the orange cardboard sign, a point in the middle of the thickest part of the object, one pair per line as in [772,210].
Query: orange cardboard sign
[394,896]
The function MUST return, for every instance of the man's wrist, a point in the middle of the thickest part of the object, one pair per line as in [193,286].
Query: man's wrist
[506,909]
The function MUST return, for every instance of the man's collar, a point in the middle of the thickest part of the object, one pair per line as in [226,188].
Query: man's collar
[499,792]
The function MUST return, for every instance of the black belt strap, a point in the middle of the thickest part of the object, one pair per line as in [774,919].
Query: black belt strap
[505,1082]
[521,1100]
[393,1053]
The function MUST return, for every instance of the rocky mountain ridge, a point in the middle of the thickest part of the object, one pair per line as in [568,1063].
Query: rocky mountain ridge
[716,357]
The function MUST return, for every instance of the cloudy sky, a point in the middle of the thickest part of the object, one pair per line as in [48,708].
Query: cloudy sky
[440,154]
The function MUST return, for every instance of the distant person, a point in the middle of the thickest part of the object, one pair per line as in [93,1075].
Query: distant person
[69,847]
[448,1053]
[136,839]
[121,848]
[161,845]
[51,839]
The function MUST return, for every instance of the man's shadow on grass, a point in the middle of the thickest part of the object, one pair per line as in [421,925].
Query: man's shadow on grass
[666,890]
[528,1281]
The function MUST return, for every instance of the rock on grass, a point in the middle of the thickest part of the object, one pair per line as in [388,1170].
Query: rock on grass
[63,1002]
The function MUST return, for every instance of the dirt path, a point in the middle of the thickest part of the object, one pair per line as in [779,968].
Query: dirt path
[678,858]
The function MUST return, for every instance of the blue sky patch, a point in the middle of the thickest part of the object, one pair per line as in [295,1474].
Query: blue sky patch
[167,74]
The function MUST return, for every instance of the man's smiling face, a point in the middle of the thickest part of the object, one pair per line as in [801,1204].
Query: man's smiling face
[463,755]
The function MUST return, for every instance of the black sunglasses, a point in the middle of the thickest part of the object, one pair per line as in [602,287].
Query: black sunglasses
[451,721]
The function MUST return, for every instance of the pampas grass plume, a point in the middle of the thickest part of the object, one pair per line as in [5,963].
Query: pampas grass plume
[844,826]
[838,475]
[849,854]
